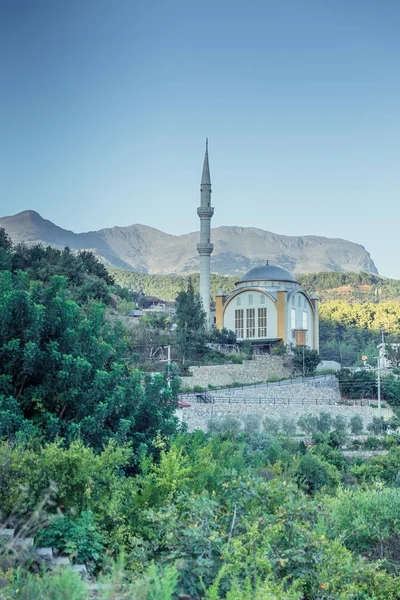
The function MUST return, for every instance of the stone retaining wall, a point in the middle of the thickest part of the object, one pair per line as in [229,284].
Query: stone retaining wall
[287,401]
[251,371]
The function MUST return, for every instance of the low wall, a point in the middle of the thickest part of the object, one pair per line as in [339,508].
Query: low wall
[251,371]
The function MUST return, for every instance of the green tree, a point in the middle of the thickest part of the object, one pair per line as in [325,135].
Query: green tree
[305,359]
[64,369]
[191,324]
[356,425]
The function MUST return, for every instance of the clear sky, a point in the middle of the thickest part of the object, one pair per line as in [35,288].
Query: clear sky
[105,106]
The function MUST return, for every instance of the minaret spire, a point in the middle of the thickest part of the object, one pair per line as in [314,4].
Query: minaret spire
[205,248]
[205,178]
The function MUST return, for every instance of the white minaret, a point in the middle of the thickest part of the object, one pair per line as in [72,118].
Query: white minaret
[204,248]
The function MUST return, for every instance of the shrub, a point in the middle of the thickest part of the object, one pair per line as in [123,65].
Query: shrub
[236,359]
[227,427]
[377,426]
[371,443]
[340,423]
[312,474]
[324,422]
[251,424]
[356,425]
[271,425]
[307,423]
[288,426]
[337,438]
[78,538]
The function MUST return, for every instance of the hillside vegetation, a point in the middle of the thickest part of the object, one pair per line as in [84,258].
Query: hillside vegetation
[94,463]
[354,306]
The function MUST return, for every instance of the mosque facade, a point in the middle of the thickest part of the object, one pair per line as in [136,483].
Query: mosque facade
[268,306]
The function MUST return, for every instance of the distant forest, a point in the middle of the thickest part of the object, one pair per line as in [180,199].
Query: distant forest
[354,308]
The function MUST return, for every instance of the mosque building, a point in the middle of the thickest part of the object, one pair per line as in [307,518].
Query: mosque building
[268,306]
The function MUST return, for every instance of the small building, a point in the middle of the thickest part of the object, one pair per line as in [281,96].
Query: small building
[135,314]
[269,307]
[155,303]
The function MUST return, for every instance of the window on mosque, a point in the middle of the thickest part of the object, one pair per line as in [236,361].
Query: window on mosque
[250,322]
[305,320]
[238,301]
[305,303]
[293,300]
[250,298]
[262,299]
[239,323]
[299,300]
[293,318]
[262,322]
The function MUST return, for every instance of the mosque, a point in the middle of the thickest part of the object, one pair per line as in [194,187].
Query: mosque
[268,306]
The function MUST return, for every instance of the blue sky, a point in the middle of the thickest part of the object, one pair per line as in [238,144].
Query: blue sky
[105,106]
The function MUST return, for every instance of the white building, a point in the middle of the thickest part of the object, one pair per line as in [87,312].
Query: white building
[268,307]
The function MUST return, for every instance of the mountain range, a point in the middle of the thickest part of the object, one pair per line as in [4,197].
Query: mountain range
[236,249]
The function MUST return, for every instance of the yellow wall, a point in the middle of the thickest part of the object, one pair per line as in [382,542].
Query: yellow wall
[281,315]
[219,311]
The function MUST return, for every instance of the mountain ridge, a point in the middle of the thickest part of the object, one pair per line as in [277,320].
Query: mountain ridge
[237,249]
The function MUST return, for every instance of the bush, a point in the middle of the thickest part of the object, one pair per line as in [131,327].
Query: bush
[324,422]
[288,426]
[337,438]
[271,425]
[77,538]
[227,427]
[377,426]
[340,423]
[312,474]
[251,424]
[356,425]
[371,443]
[236,359]
[307,423]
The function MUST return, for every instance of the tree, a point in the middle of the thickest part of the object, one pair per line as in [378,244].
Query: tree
[64,370]
[307,423]
[356,425]
[392,354]
[191,324]
[324,422]
[340,423]
[314,474]
[305,360]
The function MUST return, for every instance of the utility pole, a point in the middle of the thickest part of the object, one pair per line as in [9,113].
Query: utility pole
[168,361]
[379,391]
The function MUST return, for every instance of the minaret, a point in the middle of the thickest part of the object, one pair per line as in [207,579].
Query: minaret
[204,248]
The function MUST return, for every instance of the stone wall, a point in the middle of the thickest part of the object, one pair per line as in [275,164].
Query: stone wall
[286,401]
[251,371]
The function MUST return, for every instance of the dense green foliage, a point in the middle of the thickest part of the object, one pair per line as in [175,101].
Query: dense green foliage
[229,512]
[92,463]
[190,324]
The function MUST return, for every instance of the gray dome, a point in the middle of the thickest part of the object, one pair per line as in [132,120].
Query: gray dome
[268,273]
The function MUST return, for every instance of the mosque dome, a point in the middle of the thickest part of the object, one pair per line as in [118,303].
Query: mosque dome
[268,273]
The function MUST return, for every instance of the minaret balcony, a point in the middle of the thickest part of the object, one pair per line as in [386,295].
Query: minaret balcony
[204,248]
[205,212]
